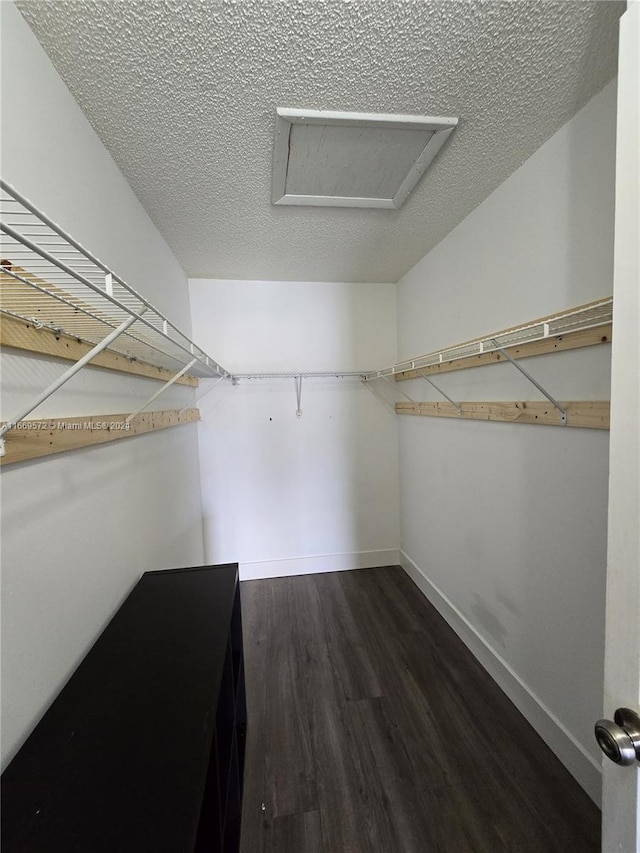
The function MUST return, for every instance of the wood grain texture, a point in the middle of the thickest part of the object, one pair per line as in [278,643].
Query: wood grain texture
[555,343]
[292,786]
[590,414]
[22,335]
[33,439]
[294,832]
[55,322]
[419,752]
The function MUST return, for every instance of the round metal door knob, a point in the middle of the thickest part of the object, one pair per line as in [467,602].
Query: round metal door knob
[620,740]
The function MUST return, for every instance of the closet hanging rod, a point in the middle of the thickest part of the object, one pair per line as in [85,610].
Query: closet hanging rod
[308,374]
[582,318]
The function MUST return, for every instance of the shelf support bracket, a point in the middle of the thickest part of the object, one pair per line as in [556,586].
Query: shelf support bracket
[457,406]
[394,384]
[66,376]
[161,390]
[527,375]
[298,381]
[206,393]
[368,382]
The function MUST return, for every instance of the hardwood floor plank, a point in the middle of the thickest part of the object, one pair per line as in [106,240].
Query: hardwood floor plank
[289,767]
[351,801]
[386,598]
[421,615]
[306,607]
[409,808]
[294,833]
[373,729]
[417,807]
[379,638]
[494,749]
[254,633]
[353,665]
[484,736]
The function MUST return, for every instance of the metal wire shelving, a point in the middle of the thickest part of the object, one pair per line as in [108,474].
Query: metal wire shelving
[52,281]
[582,318]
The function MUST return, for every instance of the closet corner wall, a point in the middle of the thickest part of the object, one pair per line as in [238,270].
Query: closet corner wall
[504,526]
[76,536]
[313,493]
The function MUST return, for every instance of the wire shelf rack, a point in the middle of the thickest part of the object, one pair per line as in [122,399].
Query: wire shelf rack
[301,374]
[52,281]
[579,319]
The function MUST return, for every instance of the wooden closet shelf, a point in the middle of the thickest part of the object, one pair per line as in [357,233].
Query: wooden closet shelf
[49,279]
[32,439]
[582,326]
[592,414]
[557,343]
[25,335]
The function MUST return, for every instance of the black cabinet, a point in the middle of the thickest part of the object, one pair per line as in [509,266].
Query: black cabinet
[219,827]
[143,750]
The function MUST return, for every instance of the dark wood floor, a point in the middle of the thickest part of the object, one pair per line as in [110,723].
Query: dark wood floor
[372,729]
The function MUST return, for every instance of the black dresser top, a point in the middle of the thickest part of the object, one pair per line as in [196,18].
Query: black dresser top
[118,763]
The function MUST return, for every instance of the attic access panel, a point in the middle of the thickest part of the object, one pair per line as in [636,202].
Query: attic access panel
[337,159]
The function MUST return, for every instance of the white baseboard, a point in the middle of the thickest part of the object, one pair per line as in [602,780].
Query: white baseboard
[314,565]
[582,766]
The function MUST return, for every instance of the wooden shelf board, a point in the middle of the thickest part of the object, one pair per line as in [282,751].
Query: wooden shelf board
[22,335]
[582,413]
[556,343]
[33,439]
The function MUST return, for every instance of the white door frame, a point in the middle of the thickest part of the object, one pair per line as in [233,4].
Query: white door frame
[621,785]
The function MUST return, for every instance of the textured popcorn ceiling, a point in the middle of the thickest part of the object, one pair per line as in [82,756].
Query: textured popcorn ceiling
[183,94]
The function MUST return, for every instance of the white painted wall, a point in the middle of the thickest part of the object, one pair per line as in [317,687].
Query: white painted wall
[505,526]
[283,495]
[78,529]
